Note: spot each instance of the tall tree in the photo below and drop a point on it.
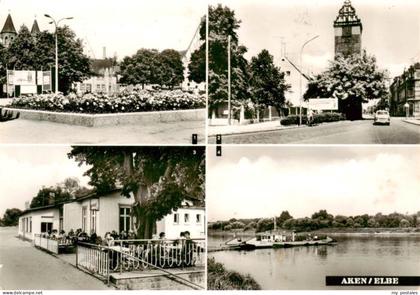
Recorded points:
(222, 23)
(50, 196)
(172, 68)
(142, 68)
(159, 178)
(268, 85)
(21, 53)
(353, 80)
(11, 217)
(29, 52)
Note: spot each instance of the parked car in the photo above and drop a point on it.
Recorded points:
(382, 117)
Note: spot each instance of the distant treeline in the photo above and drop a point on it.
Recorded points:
(319, 220)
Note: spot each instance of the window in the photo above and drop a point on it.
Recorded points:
(46, 227)
(92, 221)
(198, 218)
(84, 218)
(125, 219)
(61, 224)
(186, 218)
(30, 224)
(176, 218)
(26, 224)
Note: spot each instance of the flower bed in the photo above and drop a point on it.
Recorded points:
(124, 102)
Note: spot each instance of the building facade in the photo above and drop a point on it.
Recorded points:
(405, 91)
(107, 213)
(104, 79)
(348, 31)
(8, 33)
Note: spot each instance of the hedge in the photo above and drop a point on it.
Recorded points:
(318, 118)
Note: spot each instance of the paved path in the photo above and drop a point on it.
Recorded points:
(347, 132)
(24, 267)
(33, 132)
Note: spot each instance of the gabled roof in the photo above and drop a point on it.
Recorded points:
(8, 26)
(35, 28)
(347, 16)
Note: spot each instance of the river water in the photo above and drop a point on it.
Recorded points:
(305, 268)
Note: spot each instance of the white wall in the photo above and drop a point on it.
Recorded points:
(173, 230)
(47, 215)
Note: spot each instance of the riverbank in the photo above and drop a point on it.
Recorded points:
(327, 231)
(219, 278)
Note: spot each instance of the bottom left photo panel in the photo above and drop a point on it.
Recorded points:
(102, 218)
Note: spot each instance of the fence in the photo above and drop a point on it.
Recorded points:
(93, 258)
(46, 243)
(158, 253)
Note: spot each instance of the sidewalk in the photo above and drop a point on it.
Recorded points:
(256, 127)
(415, 121)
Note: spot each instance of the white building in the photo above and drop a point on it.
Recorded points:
(101, 214)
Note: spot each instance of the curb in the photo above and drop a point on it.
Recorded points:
(411, 122)
(274, 129)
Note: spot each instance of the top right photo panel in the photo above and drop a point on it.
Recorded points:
(314, 72)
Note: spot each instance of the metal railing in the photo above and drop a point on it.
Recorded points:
(131, 255)
(158, 253)
(45, 243)
(93, 258)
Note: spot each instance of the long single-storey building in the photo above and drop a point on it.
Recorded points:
(107, 213)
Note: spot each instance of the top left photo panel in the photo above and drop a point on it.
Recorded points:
(103, 72)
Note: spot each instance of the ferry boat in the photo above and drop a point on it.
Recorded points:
(312, 242)
(263, 240)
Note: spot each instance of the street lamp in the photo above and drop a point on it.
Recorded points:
(229, 81)
(300, 80)
(56, 46)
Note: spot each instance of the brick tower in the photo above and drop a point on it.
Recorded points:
(8, 33)
(348, 31)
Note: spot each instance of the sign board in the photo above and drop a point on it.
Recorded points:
(321, 104)
(27, 89)
(46, 80)
(94, 204)
(24, 78)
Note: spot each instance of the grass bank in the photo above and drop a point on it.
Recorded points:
(219, 278)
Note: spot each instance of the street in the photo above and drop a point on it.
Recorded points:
(345, 132)
(23, 267)
(34, 132)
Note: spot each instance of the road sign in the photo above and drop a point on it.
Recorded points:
(323, 104)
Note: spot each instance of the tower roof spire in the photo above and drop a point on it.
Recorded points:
(8, 25)
(35, 28)
(347, 16)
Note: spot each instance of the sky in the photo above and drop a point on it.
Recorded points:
(262, 181)
(25, 169)
(391, 31)
(122, 27)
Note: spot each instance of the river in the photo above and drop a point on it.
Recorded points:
(305, 268)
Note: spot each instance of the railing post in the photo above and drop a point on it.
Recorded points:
(120, 258)
(77, 256)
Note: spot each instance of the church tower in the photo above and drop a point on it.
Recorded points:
(348, 31)
(8, 33)
(35, 28)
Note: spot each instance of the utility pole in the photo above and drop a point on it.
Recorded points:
(229, 87)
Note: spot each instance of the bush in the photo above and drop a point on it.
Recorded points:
(123, 102)
(318, 118)
(218, 278)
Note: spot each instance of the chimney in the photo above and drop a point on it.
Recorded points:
(104, 52)
(27, 204)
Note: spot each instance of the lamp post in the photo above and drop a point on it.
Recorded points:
(300, 78)
(56, 23)
(407, 109)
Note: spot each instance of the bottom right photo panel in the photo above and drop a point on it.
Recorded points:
(313, 218)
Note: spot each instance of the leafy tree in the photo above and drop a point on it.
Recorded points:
(172, 68)
(267, 82)
(49, 196)
(28, 52)
(285, 215)
(22, 51)
(264, 224)
(223, 23)
(3, 66)
(160, 178)
(11, 217)
(353, 80)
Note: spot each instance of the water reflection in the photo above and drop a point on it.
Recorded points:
(306, 267)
